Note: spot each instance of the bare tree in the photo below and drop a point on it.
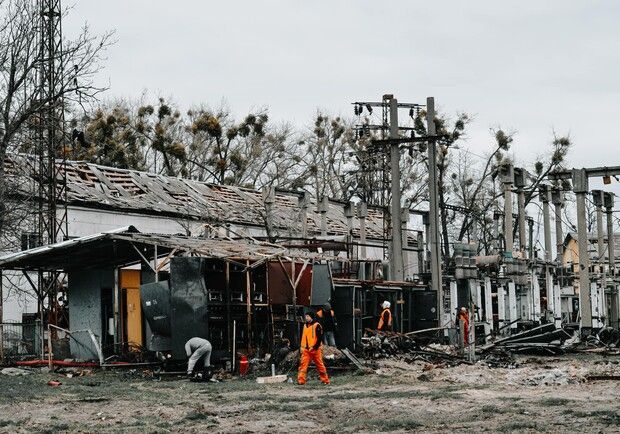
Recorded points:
(20, 61)
(330, 148)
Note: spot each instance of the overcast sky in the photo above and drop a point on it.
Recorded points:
(533, 67)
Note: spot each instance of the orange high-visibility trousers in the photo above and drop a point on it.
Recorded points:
(317, 357)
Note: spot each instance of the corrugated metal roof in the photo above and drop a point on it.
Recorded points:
(95, 186)
(125, 246)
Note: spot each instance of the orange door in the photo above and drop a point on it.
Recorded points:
(130, 281)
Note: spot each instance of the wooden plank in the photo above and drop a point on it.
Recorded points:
(273, 379)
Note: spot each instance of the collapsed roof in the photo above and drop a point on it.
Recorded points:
(93, 186)
(126, 246)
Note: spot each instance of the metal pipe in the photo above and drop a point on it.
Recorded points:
(234, 345)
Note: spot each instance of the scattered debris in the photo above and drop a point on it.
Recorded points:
(54, 383)
(13, 372)
(379, 345)
(358, 364)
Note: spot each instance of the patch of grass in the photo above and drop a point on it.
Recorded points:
(4, 423)
(276, 407)
(607, 417)
(316, 405)
(390, 424)
(518, 426)
(450, 392)
(493, 409)
(553, 401)
(197, 415)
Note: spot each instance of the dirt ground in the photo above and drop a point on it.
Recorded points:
(539, 395)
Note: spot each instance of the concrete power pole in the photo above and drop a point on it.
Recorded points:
(614, 307)
(597, 197)
(436, 280)
(507, 180)
(520, 184)
(557, 197)
(396, 253)
(580, 188)
(544, 198)
(609, 209)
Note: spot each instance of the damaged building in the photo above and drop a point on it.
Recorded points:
(245, 261)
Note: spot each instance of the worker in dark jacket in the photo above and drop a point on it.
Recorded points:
(311, 350)
(385, 319)
(327, 319)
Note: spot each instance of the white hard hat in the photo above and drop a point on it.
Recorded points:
(386, 305)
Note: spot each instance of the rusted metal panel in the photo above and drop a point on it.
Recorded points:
(279, 287)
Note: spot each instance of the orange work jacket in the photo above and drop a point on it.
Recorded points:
(311, 336)
(384, 324)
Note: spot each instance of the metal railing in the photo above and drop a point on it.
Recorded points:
(19, 341)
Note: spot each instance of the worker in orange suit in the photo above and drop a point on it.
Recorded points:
(311, 341)
(385, 319)
(464, 316)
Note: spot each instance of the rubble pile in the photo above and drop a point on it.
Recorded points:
(379, 345)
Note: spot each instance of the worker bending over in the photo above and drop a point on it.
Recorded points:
(385, 319)
(328, 322)
(196, 349)
(311, 350)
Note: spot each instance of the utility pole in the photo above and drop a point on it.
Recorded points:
(615, 293)
(519, 178)
(396, 253)
(51, 172)
(557, 197)
(609, 209)
(544, 198)
(362, 213)
(545, 194)
(435, 248)
(598, 199)
(580, 188)
(507, 180)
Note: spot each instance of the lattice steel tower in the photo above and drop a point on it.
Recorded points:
(51, 173)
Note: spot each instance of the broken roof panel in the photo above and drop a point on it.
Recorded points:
(95, 186)
(127, 246)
